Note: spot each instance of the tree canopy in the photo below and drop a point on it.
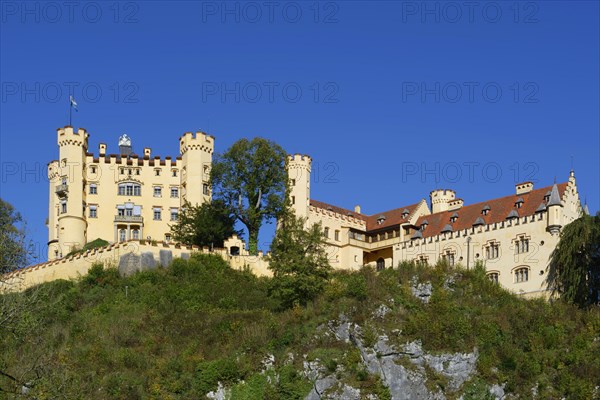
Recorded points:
(575, 264)
(251, 180)
(299, 262)
(208, 224)
(13, 247)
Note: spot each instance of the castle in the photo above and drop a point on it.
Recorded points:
(514, 236)
(127, 198)
(122, 196)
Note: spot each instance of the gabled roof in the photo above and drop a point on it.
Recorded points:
(499, 210)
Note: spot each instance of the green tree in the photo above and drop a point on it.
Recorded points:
(208, 224)
(251, 180)
(575, 263)
(14, 250)
(299, 262)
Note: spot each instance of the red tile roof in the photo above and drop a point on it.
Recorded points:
(336, 209)
(499, 210)
(392, 217)
(467, 215)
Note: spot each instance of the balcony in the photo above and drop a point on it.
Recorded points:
(62, 190)
(138, 219)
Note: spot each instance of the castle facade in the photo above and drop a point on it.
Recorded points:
(124, 196)
(513, 236)
(121, 196)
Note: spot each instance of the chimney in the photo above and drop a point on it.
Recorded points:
(147, 152)
(525, 187)
(357, 209)
(102, 149)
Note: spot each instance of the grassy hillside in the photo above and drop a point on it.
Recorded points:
(177, 332)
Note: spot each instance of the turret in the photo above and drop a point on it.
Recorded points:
(196, 155)
(68, 191)
(440, 199)
(554, 208)
(299, 180)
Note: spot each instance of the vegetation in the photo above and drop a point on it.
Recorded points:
(94, 244)
(298, 261)
(175, 333)
(209, 224)
(575, 264)
(14, 251)
(250, 178)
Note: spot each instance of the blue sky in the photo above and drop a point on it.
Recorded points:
(391, 99)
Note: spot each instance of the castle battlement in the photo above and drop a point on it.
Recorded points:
(196, 141)
(299, 159)
(134, 160)
(338, 216)
(68, 136)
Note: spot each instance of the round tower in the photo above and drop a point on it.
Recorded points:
(440, 199)
(298, 168)
(69, 189)
(196, 156)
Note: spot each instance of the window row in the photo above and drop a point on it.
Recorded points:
(520, 274)
(132, 210)
(336, 234)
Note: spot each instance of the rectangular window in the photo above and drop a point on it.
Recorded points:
(63, 207)
(293, 200)
(129, 190)
(121, 190)
(64, 180)
(205, 189)
(93, 212)
(292, 182)
(157, 191)
(93, 189)
(167, 237)
(121, 211)
(337, 235)
(326, 232)
(135, 234)
(174, 214)
(93, 169)
(157, 214)
(174, 192)
(157, 172)
(174, 172)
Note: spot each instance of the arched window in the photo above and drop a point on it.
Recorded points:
(122, 235)
(135, 234)
(493, 276)
(521, 274)
(380, 264)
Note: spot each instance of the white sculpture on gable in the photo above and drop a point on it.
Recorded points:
(124, 140)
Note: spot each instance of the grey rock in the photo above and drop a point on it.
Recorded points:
(381, 311)
(422, 291)
(129, 264)
(314, 371)
(166, 256)
(220, 394)
(497, 391)
(148, 262)
(345, 392)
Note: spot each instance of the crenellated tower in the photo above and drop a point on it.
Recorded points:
(440, 199)
(67, 225)
(196, 154)
(299, 167)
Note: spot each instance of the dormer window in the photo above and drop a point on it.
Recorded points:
(380, 219)
(519, 202)
(547, 196)
(424, 225)
(405, 213)
(454, 217)
(485, 210)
